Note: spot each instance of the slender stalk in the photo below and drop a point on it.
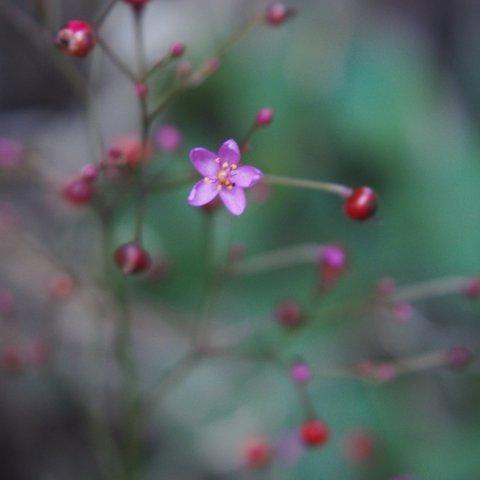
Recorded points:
(335, 188)
(104, 14)
(277, 259)
(429, 289)
(116, 60)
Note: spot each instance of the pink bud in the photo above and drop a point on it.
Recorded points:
(386, 286)
(333, 257)
(459, 357)
(141, 89)
(264, 117)
(89, 172)
(168, 138)
(300, 373)
(211, 65)
(278, 13)
(78, 192)
(177, 49)
(402, 311)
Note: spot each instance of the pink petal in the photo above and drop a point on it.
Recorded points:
(234, 200)
(230, 152)
(202, 193)
(246, 176)
(204, 162)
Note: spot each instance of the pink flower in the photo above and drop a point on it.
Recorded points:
(223, 176)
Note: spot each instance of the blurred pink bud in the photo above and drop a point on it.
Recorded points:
(61, 287)
(289, 314)
(472, 288)
(385, 372)
(402, 311)
(12, 153)
(333, 257)
(177, 49)
(300, 373)
(77, 192)
(168, 138)
(7, 302)
(264, 117)
(459, 357)
(386, 286)
(359, 446)
(11, 359)
(278, 13)
(89, 172)
(211, 65)
(184, 69)
(141, 89)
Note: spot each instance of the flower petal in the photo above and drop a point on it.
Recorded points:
(246, 176)
(202, 193)
(234, 200)
(204, 162)
(230, 152)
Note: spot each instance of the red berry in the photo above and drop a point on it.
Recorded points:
(472, 288)
(177, 49)
(289, 314)
(76, 38)
(257, 452)
(137, 4)
(78, 192)
(314, 433)
(278, 13)
(361, 204)
(132, 258)
(264, 117)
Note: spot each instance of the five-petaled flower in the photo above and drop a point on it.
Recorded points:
(223, 176)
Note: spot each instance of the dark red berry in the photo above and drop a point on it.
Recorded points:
(76, 38)
(78, 192)
(361, 204)
(289, 314)
(314, 433)
(257, 452)
(131, 258)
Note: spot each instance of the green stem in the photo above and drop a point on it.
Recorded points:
(335, 188)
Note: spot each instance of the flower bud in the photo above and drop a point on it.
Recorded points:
(264, 117)
(132, 258)
(78, 192)
(459, 357)
(278, 13)
(76, 38)
(300, 373)
(289, 314)
(177, 49)
(168, 138)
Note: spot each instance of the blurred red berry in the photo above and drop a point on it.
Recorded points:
(314, 433)
(278, 13)
(131, 258)
(76, 38)
(177, 49)
(459, 357)
(361, 204)
(359, 446)
(472, 288)
(78, 192)
(264, 117)
(257, 452)
(289, 314)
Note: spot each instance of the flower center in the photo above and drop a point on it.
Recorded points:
(224, 176)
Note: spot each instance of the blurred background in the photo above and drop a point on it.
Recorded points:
(366, 92)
